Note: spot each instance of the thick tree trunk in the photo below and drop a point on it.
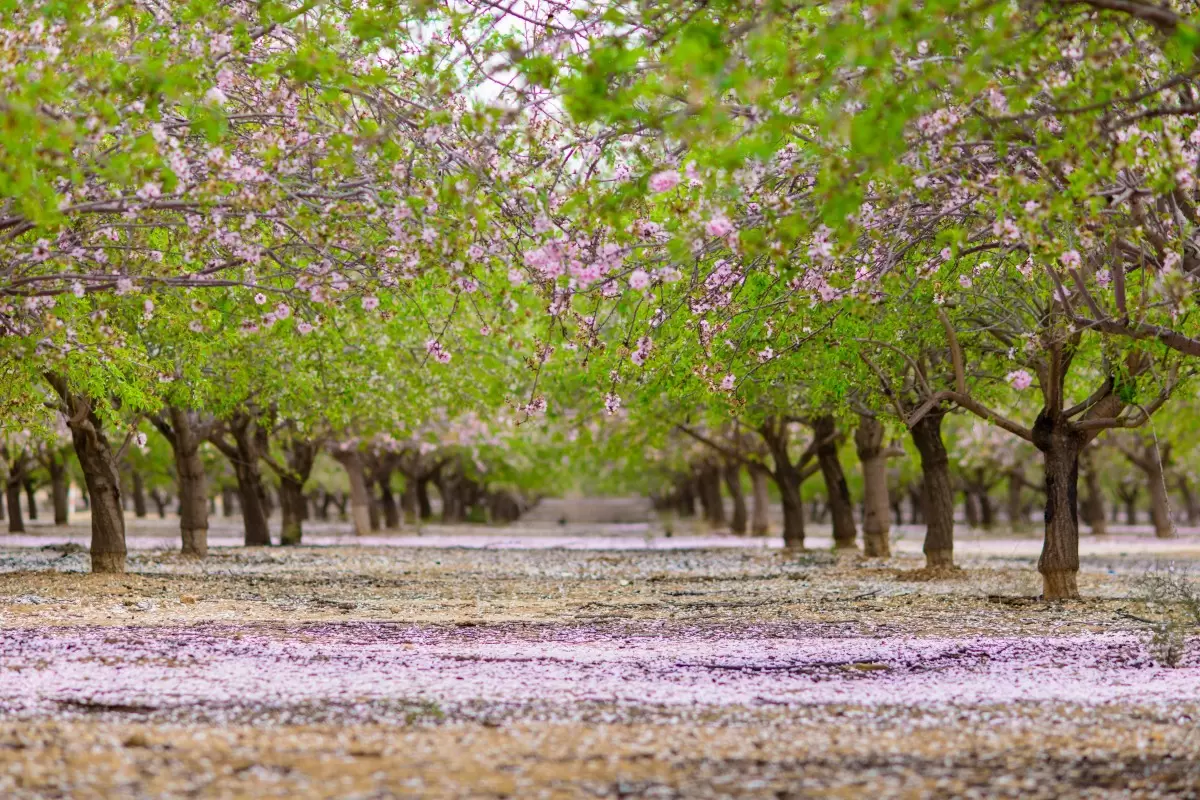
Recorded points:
(60, 492)
(408, 501)
(1190, 502)
(100, 474)
(31, 498)
(1131, 509)
(868, 442)
(360, 496)
(937, 495)
(182, 430)
(228, 501)
(708, 482)
(1160, 504)
(845, 531)
(193, 500)
(1059, 562)
(793, 510)
(139, 495)
(916, 510)
(1092, 509)
(987, 511)
(387, 502)
(1014, 505)
(687, 498)
(423, 504)
(760, 520)
(970, 509)
(292, 507)
(12, 493)
(732, 473)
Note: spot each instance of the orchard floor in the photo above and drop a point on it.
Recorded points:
(586, 661)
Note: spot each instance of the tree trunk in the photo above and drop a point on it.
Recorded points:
(31, 498)
(408, 501)
(423, 504)
(970, 509)
(12, 493)
(1131, 509)
(228, 501)
(60, 491)
(916, 510)
(360, 496)
(292, 508)
(1015, 508)
(841, 509)
(193, 498)
(1190, 502)
(387, 502)
(687, 498)
(139, 495)
(1160, 504)
(1059, 562)
(987, 512)
(788, 483)
(100, 474)
(182, 430)
(732, 474)
(760, 520)
(708, 483)
(937, 492)
(868, 442)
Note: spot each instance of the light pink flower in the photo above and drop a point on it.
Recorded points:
(1020, 379)
(718, 226)
(663, 181)
(639, 279)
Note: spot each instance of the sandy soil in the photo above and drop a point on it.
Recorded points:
(599, 662)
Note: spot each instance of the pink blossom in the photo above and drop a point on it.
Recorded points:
(1020, 379)
(370, 303)
(612, 403)
(964, 281)
(304, 327)
(149, 191)
(728, 382)
(1070, 259)
(663, 181)
(1104, 278)
(718, 226)
(260, 298)
(283, 311)
(639, 279)
(215, 97)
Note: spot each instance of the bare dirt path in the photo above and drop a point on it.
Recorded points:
(685, 670)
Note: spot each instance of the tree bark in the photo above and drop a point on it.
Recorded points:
(31, 498)
(387, 501)
(708, 482)
(937, 492)
(732, 473)
(1190, 501)
(292, 506)
(228, 501)
(184, 431)
(423, 504)
(760, 520)
(408, 501)
(1014, 504)
(987, 511)
(100, 472)
(1059, 562)
(868, 442)
(139, 494)
(845, 532)
(60, 487)
(1160, 504)
(970, 509)
(360, 496)
(12, 493)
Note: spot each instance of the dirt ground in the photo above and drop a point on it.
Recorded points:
(612, 664)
